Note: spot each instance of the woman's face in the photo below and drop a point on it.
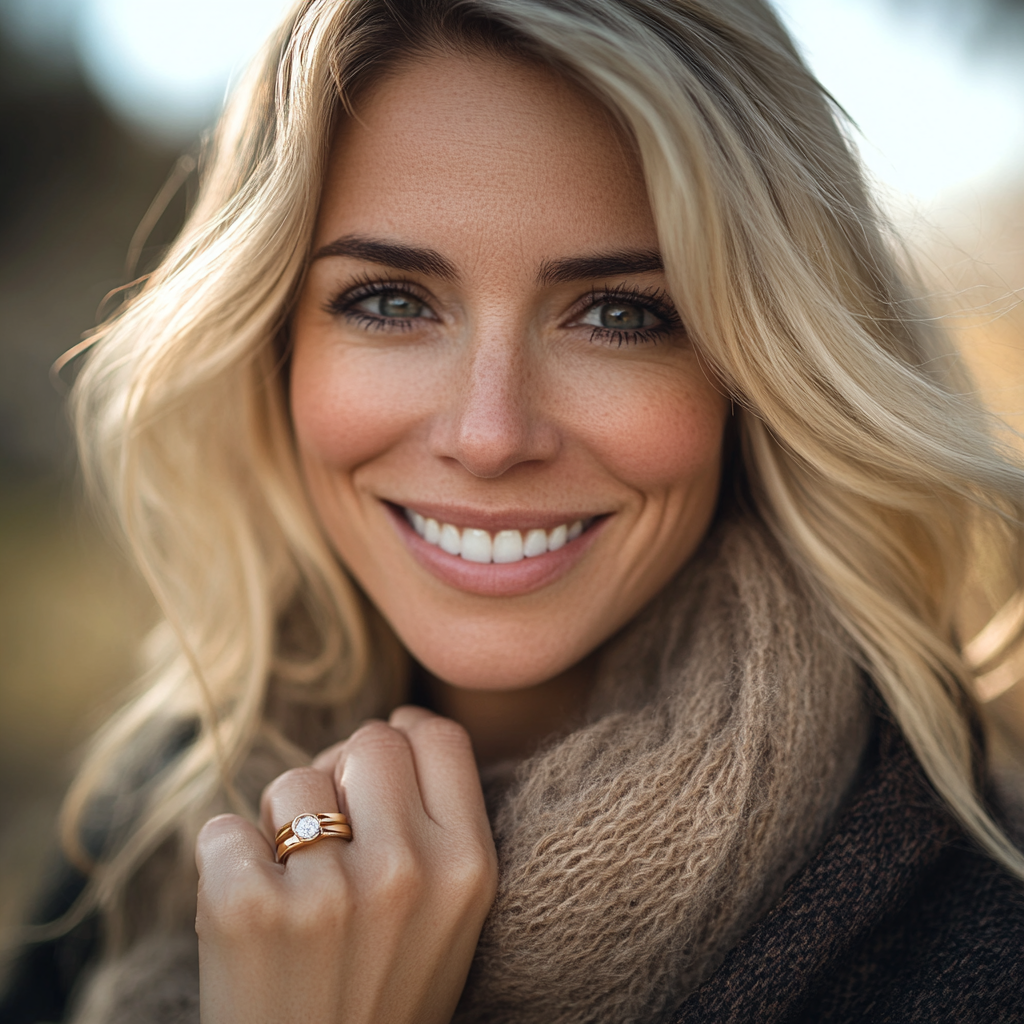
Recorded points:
(485, 361)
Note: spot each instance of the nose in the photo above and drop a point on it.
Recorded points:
(495, 417)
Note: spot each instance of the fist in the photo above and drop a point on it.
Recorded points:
(381, 929)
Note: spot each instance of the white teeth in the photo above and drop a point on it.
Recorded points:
(432, 531)
(451, 540)
(506, 546)
(476, 545)
(536, 544)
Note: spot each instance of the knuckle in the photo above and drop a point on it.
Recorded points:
(295, 778)
(474, 872)
(377, 737)
(223, 845)
(296, 784)
(399, 878)
(444, 732)
(216, 832)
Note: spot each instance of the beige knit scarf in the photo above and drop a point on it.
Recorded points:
(725, 727)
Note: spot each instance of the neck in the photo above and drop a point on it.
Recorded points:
(511, 724)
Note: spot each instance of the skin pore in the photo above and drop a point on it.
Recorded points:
(485, 341)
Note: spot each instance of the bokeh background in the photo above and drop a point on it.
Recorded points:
(103, 101)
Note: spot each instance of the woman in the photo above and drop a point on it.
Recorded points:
(537, 376)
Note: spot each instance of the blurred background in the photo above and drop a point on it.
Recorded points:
(102, 102)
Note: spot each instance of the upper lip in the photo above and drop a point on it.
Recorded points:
(494, 520)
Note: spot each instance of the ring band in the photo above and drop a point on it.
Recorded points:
(324, 820)
(308, 828)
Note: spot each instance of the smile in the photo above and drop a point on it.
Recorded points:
(505, 546)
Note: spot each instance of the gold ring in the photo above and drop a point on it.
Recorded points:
(308, 828)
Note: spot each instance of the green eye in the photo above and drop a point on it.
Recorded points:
(382, 306)
(395, 305)
(622, 316)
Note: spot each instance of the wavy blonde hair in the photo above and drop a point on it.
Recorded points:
(860, 449)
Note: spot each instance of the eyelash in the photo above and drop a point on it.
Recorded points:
(653, 300)
(344, 303)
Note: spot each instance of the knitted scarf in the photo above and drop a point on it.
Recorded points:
(723, 731)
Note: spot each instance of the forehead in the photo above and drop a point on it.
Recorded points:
(465, 146)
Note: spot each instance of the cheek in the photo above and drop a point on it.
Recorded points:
(657, 433)
(344, 410)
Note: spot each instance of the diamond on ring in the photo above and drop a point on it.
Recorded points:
(306, 827)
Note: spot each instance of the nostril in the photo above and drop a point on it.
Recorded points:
(488, 446)
(495, 419)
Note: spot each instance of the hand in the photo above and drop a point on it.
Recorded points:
(381, 929)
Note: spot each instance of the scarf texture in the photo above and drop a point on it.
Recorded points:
(724, 730)
(725, 727)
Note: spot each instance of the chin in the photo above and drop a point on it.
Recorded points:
(477, 666)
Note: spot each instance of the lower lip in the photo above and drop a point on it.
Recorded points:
(508, 579)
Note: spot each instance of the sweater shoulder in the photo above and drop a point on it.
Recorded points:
(954, 951)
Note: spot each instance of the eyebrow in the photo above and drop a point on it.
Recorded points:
(417, 260)
(610, 264)
(409, 258)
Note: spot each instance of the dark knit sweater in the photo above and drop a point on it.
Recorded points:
(896, 918)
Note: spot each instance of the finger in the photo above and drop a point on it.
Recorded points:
(237, 873)
(376, 779)
(299, 791)
(449, 779)
(328, 758)
(228, 844)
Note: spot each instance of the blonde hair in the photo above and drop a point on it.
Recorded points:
(860, 449)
